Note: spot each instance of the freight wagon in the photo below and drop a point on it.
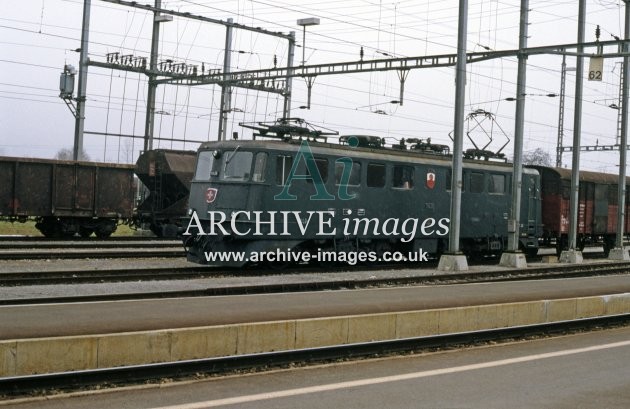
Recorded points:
(66, 197)
(166, 176)
(597, 207)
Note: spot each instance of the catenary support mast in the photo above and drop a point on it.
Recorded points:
(619, 252)
(573, 255)
(79, 124)
(455, 260)
(151, 85)
(514, 258)
(226, 90)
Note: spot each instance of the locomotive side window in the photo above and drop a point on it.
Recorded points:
(205, 161)
(260, 164)
(237, 165)
(322, 167)
(496, 184)
(355, 173)
(402, 177)
(283, 168)
(375, 175)
(449, 179)
(476, 182)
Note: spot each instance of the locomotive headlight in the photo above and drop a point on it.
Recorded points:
(190, 212)
(216, 154)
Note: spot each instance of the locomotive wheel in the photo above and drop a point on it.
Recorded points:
(380, 247)
(531, 252)
(528, 251)
(277, 265)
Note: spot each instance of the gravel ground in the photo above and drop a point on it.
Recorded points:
(231, 279)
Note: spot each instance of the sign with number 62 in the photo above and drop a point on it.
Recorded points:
(595, 68)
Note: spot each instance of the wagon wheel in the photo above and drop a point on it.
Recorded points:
(102, 234)
(562, 243)
(85, 232)
(609, 243)
(581, 243)
(50, 229)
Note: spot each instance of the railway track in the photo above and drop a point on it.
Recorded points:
(86, 244)
(283, 286)
(37, 248)
(90, 252)
(194, 369)
(18, 237)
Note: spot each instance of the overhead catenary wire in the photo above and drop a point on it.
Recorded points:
(477, 80)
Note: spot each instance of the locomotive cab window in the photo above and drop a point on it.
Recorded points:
(402, 177)
(260, 165)
(237, 165)
(375, 175)
(341, 172)
(283, 168)
(322, 167)
(496, 184)
(205, 164)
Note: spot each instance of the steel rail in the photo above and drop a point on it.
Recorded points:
(86, 244)
(109, 253)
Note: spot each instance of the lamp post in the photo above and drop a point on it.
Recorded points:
(311, 21)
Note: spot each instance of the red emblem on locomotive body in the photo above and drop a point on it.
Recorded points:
(430, 179)
(211, 195)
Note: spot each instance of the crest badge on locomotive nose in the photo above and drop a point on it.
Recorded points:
(430, 180)
(211, 195)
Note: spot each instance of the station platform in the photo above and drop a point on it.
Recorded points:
(65, 337)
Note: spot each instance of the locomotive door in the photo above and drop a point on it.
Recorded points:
(532, 207)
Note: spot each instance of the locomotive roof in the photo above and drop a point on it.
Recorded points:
(362, 152)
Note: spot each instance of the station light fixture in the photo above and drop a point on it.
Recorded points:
(304, 22)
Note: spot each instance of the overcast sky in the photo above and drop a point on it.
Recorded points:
(37, 37)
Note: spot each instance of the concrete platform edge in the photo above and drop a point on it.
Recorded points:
(58, 354)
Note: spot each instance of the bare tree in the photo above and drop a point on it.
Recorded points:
(538, 157)
(67, 154)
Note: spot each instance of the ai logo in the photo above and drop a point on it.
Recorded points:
(211, 194)
(431, 179)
